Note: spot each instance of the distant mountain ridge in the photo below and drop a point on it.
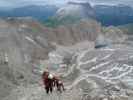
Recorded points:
(114, 15)
(73, 11)
(38, 12)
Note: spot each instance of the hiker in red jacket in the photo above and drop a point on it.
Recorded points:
(48, 81)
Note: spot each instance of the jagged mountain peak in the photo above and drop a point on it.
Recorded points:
(76, 9)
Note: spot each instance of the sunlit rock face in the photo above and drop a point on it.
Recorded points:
(105, 73)
(110, 35)
(114, 34)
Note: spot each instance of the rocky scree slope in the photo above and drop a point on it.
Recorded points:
(26, 43)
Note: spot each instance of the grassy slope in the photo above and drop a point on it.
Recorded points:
(54, 22)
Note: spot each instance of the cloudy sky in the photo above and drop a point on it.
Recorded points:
(16, 3)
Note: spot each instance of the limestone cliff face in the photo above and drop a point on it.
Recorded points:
(74, 33)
